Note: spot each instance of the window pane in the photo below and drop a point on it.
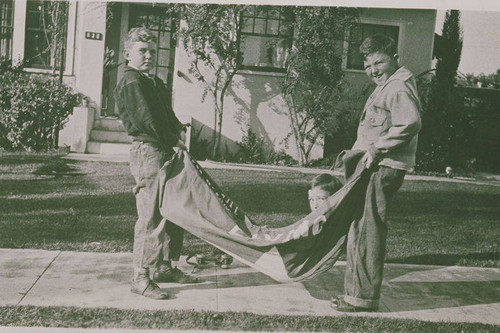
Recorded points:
(36, 50)
(41, 51)
(260, 43)
(166, 24)
(249, 11)
(272, 27)
(260, 12)
(273, 13)
(164, 40)
(162, 73)
(264, 51)
(163, 58)
(260, 26)
(6, 28)
(154, 22)
(247, 25)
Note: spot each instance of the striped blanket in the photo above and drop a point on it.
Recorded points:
(192, 200)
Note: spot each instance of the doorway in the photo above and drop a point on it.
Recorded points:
(121, 17)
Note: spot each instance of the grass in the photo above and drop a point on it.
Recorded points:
(49, 203)
(208, 320)
(429, 222)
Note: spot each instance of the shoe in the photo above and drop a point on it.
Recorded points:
(148, 288)
(167, 273)
(339, 304)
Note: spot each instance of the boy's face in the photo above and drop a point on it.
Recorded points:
(317, 196)
(141, 56)
(380, 66)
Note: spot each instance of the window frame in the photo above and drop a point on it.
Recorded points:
(261, 70)
(6, 28)
(68, 42)
(345, 52)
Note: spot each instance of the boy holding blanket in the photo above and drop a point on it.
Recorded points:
(387, 132)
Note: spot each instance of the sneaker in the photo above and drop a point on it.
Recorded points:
(148, 288)
(339, 304)
(167, 273)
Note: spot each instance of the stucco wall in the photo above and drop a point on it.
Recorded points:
(89, 54)
(253, 100)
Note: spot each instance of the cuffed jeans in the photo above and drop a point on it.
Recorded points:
(155, 239)
(366, 241)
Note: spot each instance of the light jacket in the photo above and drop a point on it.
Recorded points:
(390, 122)
(145, 109)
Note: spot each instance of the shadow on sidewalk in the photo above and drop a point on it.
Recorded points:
(405, 288)
(411, 288)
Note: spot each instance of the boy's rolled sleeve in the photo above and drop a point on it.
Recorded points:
(406, 123)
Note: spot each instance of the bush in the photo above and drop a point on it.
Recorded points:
(199, 148)
(33, 108)
(448, 133)
(253, 150)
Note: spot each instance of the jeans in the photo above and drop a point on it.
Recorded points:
(366, 241)
(155, 238)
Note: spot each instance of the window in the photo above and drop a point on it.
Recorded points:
(265, 40)
(155, 19)
(359, 33)
(46, 28)
(6, 29)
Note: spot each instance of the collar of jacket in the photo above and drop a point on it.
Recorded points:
(402, 74)
(132, 69)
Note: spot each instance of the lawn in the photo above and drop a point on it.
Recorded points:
(94, 210)
(226, 321)
(430, 222)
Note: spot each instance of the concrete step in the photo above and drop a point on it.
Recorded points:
(109, 124)
(110, 136)
(111, 148)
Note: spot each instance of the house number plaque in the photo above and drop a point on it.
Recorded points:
(93, 35)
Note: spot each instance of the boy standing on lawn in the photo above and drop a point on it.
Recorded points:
(388, 133)
(146, 112)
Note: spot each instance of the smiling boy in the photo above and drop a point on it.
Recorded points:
(145, 109)
(387, 132)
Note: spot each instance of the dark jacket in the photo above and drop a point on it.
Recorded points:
(145, 109)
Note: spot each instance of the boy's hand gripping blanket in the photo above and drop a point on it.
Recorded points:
(190, 199)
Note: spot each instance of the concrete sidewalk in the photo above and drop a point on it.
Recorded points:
(431, 293)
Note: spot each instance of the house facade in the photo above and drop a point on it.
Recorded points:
(93, 63)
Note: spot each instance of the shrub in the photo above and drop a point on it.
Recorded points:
(199, 148)
(253, 150)
(33, 108)
(448, 133)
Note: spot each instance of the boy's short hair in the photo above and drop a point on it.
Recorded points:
(327, 182)
(140, 34)
(378, 43)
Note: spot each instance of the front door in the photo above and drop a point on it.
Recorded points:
(121, 18)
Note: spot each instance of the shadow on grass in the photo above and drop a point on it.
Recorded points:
(70, 219)
(446, 259)
(28, 158)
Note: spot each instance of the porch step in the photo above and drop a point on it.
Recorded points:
(109, 124)
(110, 136)
(111, 148)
